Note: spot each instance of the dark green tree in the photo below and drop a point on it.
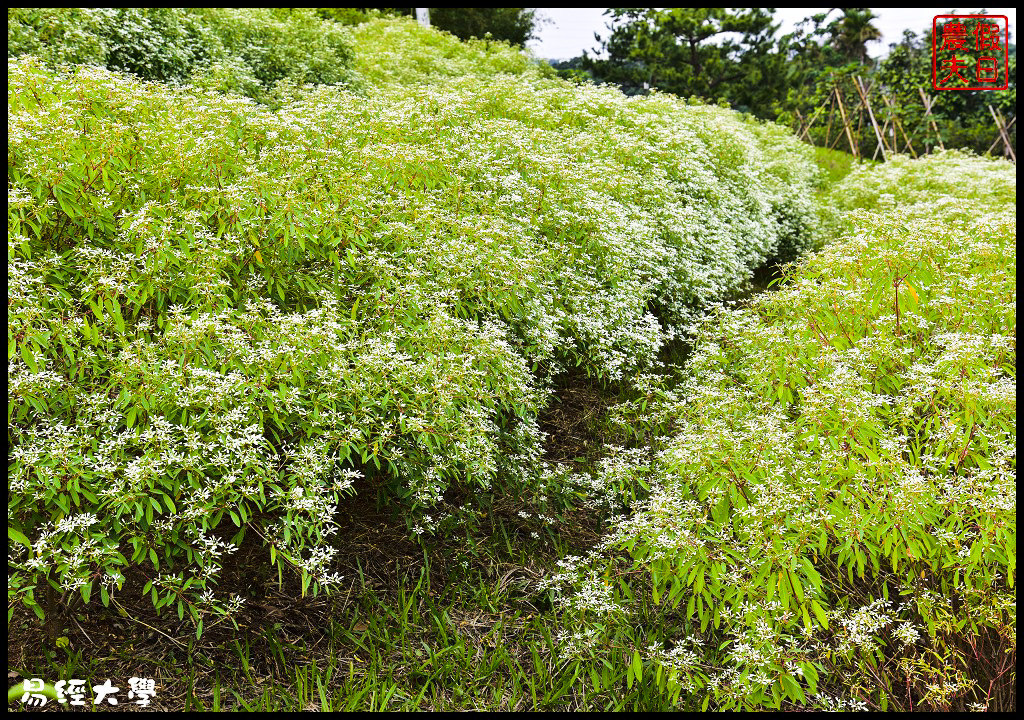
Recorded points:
(713, 53)
(515, 25)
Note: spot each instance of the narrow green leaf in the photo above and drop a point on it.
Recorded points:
(18, 537)
(819, 614)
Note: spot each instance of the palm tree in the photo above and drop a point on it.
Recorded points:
(853, 31)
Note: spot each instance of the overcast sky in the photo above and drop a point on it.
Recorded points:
(571, 30)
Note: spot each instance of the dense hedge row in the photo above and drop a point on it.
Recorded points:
(221, 314)
(247, 51)
(832, 512)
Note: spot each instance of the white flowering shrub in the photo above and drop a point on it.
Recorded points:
(831, 520)
(220, 315)
(700, 196)
(246, 51)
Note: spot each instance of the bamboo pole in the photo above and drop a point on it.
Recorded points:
(860, 126)
(810, 123)
(908, 145)
(897, 124)
(889, 135)
(831, 116)
(860, 120)
(846, 124)
(874, 123)
(1000, 138)
(931, 119)
(1000, 123)
(803, 130)
(888, 128)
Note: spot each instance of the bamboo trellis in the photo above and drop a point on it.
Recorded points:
(888, 132)
(891, 129)
(1004, 133)
(894, 121)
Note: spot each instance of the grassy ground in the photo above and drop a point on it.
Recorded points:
(836, 163)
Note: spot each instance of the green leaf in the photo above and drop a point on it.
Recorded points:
(810, 675)
(792, 688)
(36, 609)
(819, 614)
(18, 537)
(797, 587)
(29, 358)
(784, 592)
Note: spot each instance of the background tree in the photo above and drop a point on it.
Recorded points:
(853, 31)
(515, 25)
(963, 117)
(733, 55)
(713, 53)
